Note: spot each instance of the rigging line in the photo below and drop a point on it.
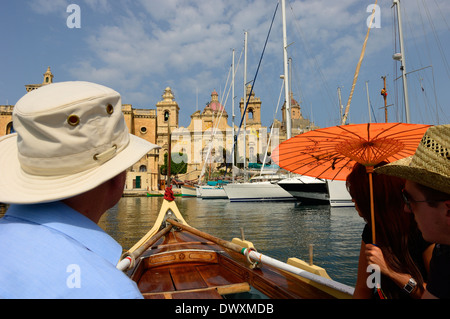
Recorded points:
(253, 83)
(216, 125)
(438, 42)
(373, 112)
(442, 16)
(256, 74)
(412, 39)
(427, 102)
(217, 119)
(424, 33)
(223, 105)
(271, 129)
(438, 104)
(358, 66)
(298, 85)
(313, 57)
(431, 60)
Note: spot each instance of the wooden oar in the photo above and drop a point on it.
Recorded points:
(128, 261)
(267, 260)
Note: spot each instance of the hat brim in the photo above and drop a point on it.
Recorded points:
(18, 187)
(403, 169)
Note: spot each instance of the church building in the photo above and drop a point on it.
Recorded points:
(207, 139)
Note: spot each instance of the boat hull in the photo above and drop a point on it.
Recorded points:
(211, 192)
(339, 195)
(309, 191)
(188, 191)
(256, 191)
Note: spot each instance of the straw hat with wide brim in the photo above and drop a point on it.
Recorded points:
(430, 165)
(70, 137)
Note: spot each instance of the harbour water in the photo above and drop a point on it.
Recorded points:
(277, 229)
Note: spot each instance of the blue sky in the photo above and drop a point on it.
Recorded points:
(140, 47)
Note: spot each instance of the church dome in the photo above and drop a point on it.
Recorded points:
(215, 105)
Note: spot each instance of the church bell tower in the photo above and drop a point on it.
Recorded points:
(167, 112)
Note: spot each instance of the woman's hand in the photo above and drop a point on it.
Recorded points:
(374, 255)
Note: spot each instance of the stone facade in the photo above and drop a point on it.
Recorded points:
(143, 175)
(6, 119)
(209, 124)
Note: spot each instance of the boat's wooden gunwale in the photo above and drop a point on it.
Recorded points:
(171, 255)
(186, 263)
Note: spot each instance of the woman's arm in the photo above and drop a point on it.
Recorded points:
(361, 289)
(374, 255)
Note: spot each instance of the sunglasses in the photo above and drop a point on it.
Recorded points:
(408, 199)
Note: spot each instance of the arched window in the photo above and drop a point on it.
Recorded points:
(251, 153)
(142, 168)
(10, 128)
(250, 114)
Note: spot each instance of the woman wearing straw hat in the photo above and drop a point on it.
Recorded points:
(60, 172)
(427, 196)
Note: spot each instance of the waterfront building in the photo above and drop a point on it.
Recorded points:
(144, 175)
(209, 124)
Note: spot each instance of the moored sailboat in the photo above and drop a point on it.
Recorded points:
(212, 190)
(256, 191)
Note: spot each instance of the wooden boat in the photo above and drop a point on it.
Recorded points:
(176, 261)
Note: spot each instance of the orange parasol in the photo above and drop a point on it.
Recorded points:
(331, 153)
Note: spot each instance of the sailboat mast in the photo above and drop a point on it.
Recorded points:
(384, 94)
(368, 101)
(245, 101)
(340, 103)
(286, 76)
(403, 60)
(232, 115)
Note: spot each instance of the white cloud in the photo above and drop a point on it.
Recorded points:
(192, 38)
(99, 5)
(141, 47)
(49, 6)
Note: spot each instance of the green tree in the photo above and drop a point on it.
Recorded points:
(175, 168)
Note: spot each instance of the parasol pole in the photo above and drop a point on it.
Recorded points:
(369, 170)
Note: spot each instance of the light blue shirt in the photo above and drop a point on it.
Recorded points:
(52, 251)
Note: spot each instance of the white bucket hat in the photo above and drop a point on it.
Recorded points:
(71, 137)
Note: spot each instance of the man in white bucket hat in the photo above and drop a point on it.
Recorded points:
(60, 172)
(427, 196)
